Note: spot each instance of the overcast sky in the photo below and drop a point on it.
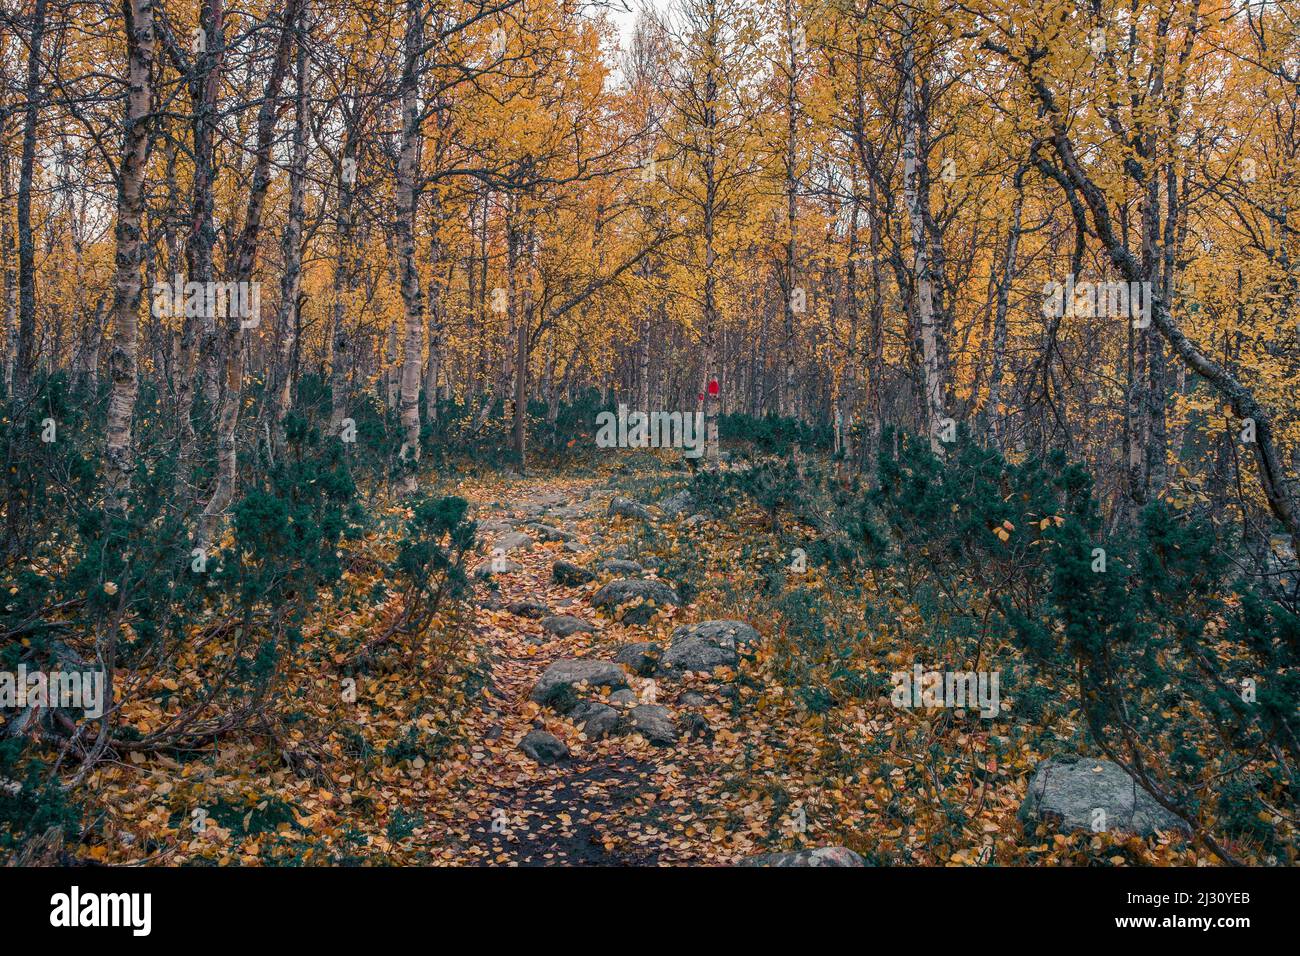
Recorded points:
(624, 18)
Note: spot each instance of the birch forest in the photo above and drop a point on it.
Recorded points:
(696, 432)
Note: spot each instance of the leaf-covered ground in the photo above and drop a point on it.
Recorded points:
(419, 763)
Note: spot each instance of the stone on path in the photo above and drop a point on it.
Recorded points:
(822, 856)
(1083, 793)
(562, 625)
(544, 748)
(557, 686)
(655, 723)
(643, 657)
(598, 720)
(627, 508)
(514, 541)
(551, 499)
(570, 574)
(505, 566)
(566, 513)
(546, 532)
(696, 725)
(529, 609)
(647, 596)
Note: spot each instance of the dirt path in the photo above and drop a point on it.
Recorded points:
(603, 804)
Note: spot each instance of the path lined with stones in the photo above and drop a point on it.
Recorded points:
(604, 698)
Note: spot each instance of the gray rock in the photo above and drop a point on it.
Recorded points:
(597, 720)
(562, 625)
(514, 541)
(738, 632)
(694, 521)
(699, 654)
(572, 547)
(570, 574)
(529, 609)
(627, 508)
(709, 644)
(1082, 793)
(545, 532)
(552, 499)
(620, 568)
(544, 748)
(643, 657)
(494, 526)
(623, 698)
(822, 856)
(507, 566)
(647, 596)
(696, 726)
(565, 513)
(677, 504)
(692, 699)
(557, 686)
(654, 723)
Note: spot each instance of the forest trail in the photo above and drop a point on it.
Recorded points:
(607, 799)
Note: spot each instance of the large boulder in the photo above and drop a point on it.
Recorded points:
(627, 508)
(653, 722)
(544, 748)
(709, 644)
(822, 856)
(1081, 793)
(638, 600)
(558, 685)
